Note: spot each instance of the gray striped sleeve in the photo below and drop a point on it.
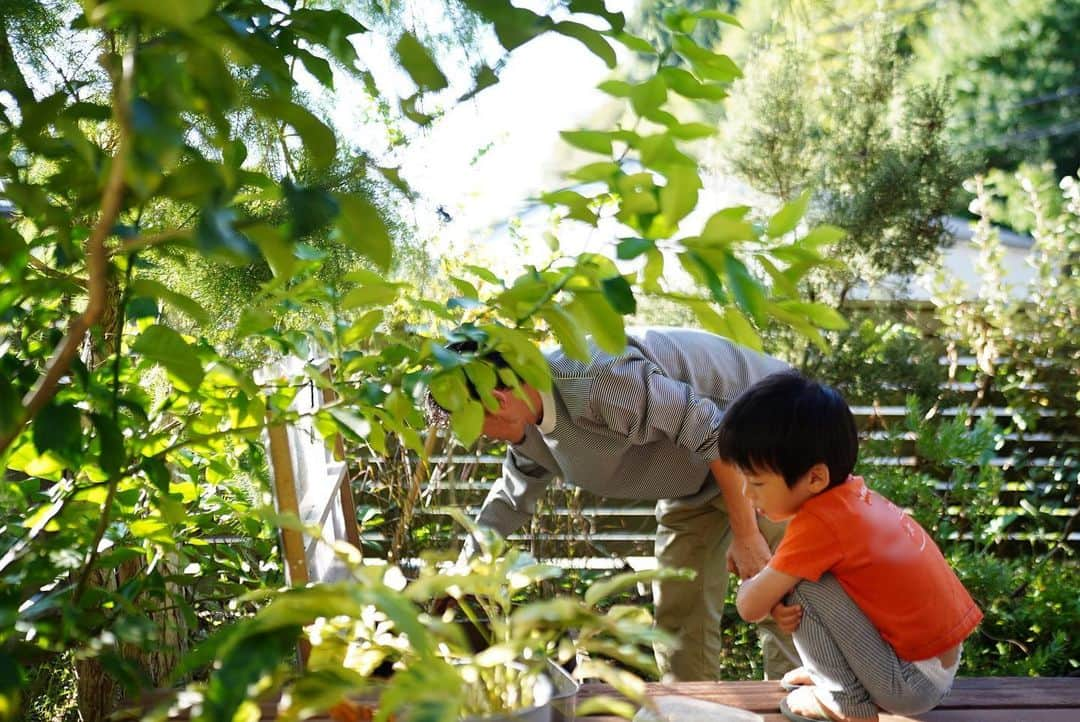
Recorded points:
(635, 398)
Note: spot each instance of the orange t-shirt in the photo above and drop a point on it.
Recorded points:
(886, 562)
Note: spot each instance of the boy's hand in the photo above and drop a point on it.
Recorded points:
(787, 618)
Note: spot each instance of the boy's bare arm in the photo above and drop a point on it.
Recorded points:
(759, 594)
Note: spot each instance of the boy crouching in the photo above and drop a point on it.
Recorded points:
(879, 616)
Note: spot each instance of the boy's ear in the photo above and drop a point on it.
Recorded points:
(819, 478)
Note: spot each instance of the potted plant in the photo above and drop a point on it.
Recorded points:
(377, 652)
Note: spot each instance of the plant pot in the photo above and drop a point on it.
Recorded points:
(560, 706)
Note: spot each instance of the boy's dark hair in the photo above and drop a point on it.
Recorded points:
(786, 423)
(436, 414)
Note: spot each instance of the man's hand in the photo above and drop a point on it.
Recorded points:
(787, 618)
(748, 554)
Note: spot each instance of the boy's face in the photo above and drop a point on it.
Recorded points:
(774, 499)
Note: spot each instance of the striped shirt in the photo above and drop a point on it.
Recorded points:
(640, 425)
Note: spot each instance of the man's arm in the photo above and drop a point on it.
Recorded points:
(758, 595)
(749, 552)
(513, 496)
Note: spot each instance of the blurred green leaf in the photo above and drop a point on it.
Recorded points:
(185, 304)
(318, 138)
(468, 421)
(597, 316)
(785, 219)
(591, 39)
(591, 140)
(362, 228)
(166, 347)
(619, 294)
(58, 428)
(418, 63)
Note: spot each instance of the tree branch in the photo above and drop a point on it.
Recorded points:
(97, 263)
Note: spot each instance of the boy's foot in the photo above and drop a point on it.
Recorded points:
(802, 705)
(796, 678)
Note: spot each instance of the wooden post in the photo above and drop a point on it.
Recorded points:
(292, 542)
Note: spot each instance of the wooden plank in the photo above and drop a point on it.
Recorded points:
(281, 467)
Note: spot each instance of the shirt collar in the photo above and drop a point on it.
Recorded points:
(547, 424)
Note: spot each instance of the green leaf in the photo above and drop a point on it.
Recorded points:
(588, 37)
(692, 131)
(247, 662)
(709, 319)
(363, 328)
(742, 331)
(709, 65)
(723, 229)
(577, 205)
(629, 248)
(166, 347)
(698, 265)
(686, 85)
(604, 588)
(362, 228)
(58, 428)
(785, 219)
(619, 294)
(746, 289)
(468, 422)
(329, 28)
(647, 97)
(820, 315)
(372, 295)
(449, 389)
(591, 140)
(216, 235)
(484, 379)
(111, 457)
(318, 138)
(275, 249)
(718, 15)
(596, 315)
(617, 88)
(310, 209)
(602, 170)
(822, 235)
(318, 67)
(419, 63)
(633, 42)
(409, 109)
(483, 78)
(153, 289)
(680, 195)
(174, 14)
(567, 332)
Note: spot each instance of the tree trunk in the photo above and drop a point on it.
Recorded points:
(98, 693)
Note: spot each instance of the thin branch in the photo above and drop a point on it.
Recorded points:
(44, 269)
(97, 265)
(140, 243)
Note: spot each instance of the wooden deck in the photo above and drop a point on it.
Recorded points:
(973, 699)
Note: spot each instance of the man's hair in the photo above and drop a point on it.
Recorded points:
(436, 414)
(786, 424)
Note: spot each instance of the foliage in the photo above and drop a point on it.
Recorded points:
(1024, 344)
(965, 502)
(1014, 82)
(371, 637)
(130, 427)
(875, 152)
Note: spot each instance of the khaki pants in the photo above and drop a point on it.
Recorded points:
(692, 611)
